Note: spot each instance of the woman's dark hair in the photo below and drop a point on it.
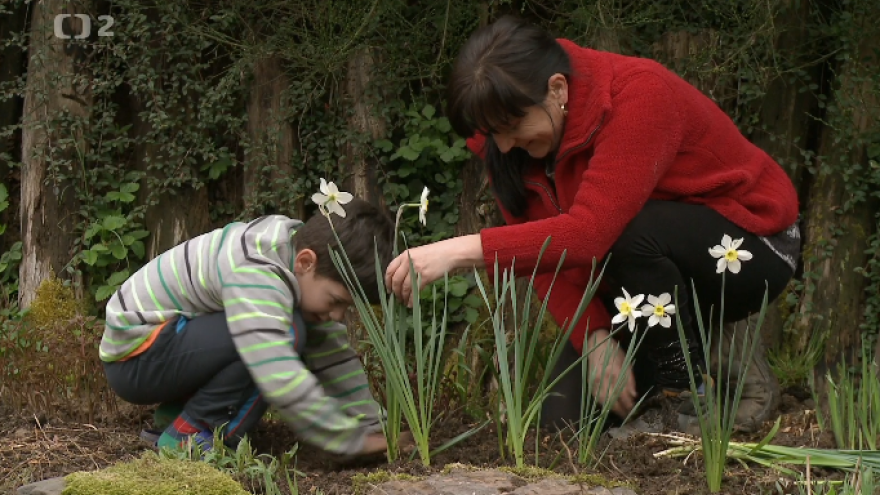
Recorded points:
(501, 71)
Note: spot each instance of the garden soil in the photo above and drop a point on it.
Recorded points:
(31, 450)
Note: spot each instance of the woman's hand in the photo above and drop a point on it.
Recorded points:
(606, 366)
(432, 262)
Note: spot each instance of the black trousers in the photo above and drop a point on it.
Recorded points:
(197, 366)
(666, 246)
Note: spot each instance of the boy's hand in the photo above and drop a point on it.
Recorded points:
(375, 443)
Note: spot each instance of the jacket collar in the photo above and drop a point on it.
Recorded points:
(589, 95)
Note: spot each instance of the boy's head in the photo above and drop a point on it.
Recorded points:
(363, 231)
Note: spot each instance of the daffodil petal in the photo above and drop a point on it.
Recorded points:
(319, 198)
(726, 241)
(744, 255)
(717, 251)
(344, 197)
(335, 207)
(721, 265)
(618, 302)
(734, 266)
(422, 217)
(652, 299)
(625, 294)
(632, 324)
(332, 189)
(653, 320)
(670, 309)
(736, 243)
(664, 299)
(647, 308)
(637, 300)
(619, 317)
(323, 187)
(666, 322)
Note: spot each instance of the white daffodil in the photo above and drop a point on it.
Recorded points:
(729, 257)
(423, 207)
(629, 309)
(331, 199)
(659, 308)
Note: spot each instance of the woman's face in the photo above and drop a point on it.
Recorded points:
(539, 131)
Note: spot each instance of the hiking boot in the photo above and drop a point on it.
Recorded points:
(760, 393)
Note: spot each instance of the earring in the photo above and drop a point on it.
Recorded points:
(564, 110)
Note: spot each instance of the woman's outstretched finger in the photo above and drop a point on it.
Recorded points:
(390, 272)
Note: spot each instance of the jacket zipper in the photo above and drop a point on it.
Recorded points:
(589, 138)
(549, 194)
(558, 159)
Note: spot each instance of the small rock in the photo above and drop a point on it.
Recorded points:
(51, 486)
(488, 482)
(549, 487)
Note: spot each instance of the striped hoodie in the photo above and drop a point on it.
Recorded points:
(246, 270)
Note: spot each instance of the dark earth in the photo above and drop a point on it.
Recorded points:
(31, 450)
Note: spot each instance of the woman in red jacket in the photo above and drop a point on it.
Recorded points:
(612, 154)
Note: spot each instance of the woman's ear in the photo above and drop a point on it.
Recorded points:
(557, 87)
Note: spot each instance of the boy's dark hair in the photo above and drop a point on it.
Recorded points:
(502, 70)
(364, 230)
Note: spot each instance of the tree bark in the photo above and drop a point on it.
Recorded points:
(56, 85)
(268, 159)
(166, 218)
(787, 126)
(362, 171)
(836, 237)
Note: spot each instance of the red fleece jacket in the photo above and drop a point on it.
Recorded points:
(634, 131)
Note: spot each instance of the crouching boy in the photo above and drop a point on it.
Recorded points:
(244, 317)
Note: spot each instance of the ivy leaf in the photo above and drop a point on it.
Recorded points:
(473, 301)
(113, 222)
(459, 288)
(428, 111)
(118, 278)
(471, 315)
(130, 187)
(90, 257)
(139, 234)
(384, 145)
(4, 196)
(408, 153)
(118, 251)
(105, 291)
(137, 247)
(124, 197)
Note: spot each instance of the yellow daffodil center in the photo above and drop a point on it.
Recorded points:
(625, 308)
(659, 310)
(425, 205)
(332, 197)
(731, 255)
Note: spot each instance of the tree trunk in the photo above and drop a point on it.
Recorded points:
(836, 236)
(56, 85)
(363, 179)
(268, 158)
(786, 130)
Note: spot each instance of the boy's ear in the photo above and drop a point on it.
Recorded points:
(304, 261)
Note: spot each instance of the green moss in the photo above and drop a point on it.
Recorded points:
(53, 303)
(530, 473)
(361, 483)
(598, 480)
(534, 473)
(150, 475)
